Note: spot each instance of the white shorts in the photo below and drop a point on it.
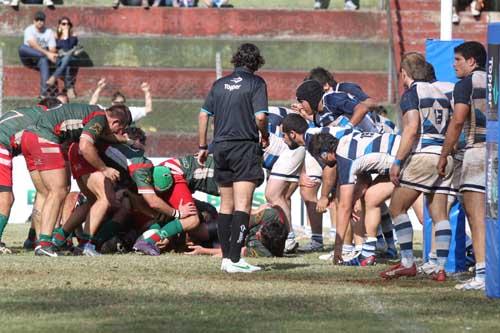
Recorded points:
(420, 173)
(458, 158)
(312, 167)
(474, 170)
(288, 165)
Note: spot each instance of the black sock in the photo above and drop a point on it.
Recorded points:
(239, 230)
(224, 232)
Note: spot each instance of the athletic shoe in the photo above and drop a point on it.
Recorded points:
(144, 247)
(240, 267)
(326, 257)
(471, 284)
(349, 5)
(473, 9)
(351, 258)
(90, 251)
(47, 251)
(224, 263)
(439, 276)
(317, 4)
(312, 246)
(4, 249)
(368, 261)
(29, 245)
(48, 3)
(111, 245)
(399, 270)
(291, 245)
(427, 268)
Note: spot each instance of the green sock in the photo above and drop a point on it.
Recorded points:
(155, 226)
(3, 222)
(108, 230)
(59, 236)
(171, 229)
(45, 240)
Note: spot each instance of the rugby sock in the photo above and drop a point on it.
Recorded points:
(358, 247)
(3, 222)
(32, 234)
(108, 230)
(442, 236)
(369, 247)
(239, 230)
(347, 248)
(291, 235)
(480, 271)
(433, 258)
(388, 230)
(404, 231)
(318, 238)
(224, 232)
(59, 236)
(170, 229)
(45, 240)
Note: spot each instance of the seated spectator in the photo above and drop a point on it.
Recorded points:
(217, 3)
(15, 3)
(68, 48)
(39, 49)
(476, 6)
(321, 4)
(351, 5)
(144, 3)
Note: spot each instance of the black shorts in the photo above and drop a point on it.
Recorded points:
(238, 161)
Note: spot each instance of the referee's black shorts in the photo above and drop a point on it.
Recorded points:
(238, 161)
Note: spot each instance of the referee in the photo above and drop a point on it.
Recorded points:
(239, 104)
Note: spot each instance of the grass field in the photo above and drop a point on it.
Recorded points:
(172, 293)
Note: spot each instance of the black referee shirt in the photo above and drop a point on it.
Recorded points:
(234, 100)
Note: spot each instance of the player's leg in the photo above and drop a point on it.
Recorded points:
(6, 195)
(374, 198)
(276, 194)
(401, 200)
(438, 209)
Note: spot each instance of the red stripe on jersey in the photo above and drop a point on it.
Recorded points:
(174, 166)
(134, 167)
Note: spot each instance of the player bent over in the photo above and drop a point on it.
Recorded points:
(426, 113)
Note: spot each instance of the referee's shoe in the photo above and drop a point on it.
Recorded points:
(238, 267)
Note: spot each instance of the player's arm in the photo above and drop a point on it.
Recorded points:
(148, 100)
(360, 111)
(411, 125)
(328, 177)
(261, 121)
(97, 92)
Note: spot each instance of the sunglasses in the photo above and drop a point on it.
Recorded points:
(39, 20)
(64, 23)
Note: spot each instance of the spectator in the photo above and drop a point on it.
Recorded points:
(145, 3)
(476, 7)
(67, 47)
(15, 3)
(39, 49)
(351, 5)
(321, 4)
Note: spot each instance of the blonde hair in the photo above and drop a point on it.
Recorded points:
(414, 65)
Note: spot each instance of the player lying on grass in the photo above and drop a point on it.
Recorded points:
(357, 157)
(12, 125)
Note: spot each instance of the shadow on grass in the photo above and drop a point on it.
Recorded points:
(282, 266)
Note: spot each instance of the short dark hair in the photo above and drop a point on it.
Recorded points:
(294, 122)
(322, 76)
(248, 55)
(323, 143)
(474, 50)
(50, 102)
(274, 233)
(430, 74)
(118, 94)
(120, 112)
(136, 134)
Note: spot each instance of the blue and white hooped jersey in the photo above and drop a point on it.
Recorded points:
(383, 124)
(272, 152)
(446, 88)
(471, 90)
(275, 116)
(336, 131)
(365, 153)
(435, 112)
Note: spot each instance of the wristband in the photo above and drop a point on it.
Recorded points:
(203, 147)
(397, 162)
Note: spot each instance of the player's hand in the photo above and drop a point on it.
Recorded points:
(307, 181)
(394, 174)
(101, 84)
(202, 156)
(145, 87)
(264, 142)
(441, 167)
(322, 204)
(52, 56)
(112, 174)
(195, 250)
(187, 210)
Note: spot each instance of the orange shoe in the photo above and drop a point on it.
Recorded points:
(439, 276)
(399, 270)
